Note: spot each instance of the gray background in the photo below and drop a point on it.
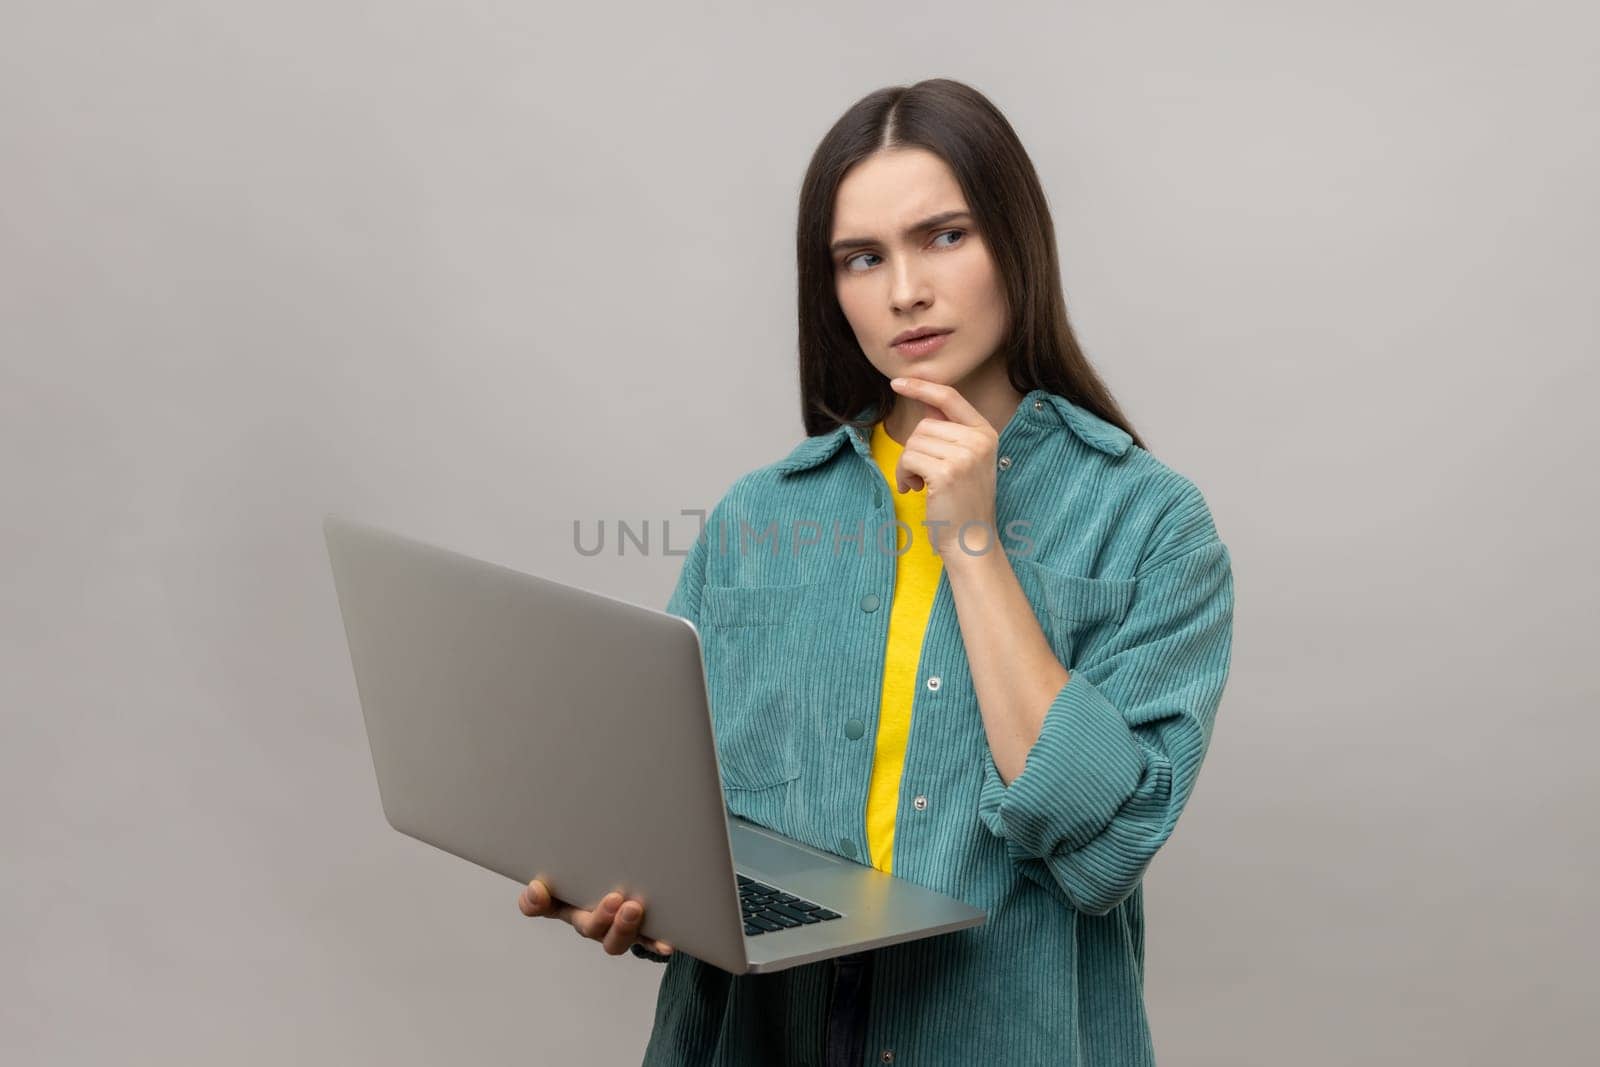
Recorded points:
(477, 270)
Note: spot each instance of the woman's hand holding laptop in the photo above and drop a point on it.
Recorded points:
(613, 922)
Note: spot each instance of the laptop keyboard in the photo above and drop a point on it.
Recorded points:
(767, 909)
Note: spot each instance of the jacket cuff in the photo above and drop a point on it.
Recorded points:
(646, 954)
(1084, 766)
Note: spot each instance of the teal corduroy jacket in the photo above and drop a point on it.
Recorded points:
(789, 586)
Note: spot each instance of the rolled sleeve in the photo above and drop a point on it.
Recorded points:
(1122, 741)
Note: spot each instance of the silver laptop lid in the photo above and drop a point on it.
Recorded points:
(537, 729)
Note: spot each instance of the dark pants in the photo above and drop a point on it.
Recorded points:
(847, 1010)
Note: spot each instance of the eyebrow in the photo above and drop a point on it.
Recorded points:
(928, 223)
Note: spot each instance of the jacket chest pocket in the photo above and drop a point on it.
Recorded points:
(754, 643)
(1078, 614)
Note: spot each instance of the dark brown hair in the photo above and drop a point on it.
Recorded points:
(957, 123)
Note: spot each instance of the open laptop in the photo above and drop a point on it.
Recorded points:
(541, 730)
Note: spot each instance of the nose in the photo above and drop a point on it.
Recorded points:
(909, 287)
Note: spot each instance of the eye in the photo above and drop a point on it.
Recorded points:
(860, 255)
(852, 259)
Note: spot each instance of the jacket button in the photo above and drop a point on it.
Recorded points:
(1005, 462)
(933, 684)
(887, 1056)
(1038, 405)
(847, 847)
(877, 498)
(854, 729)
(921, 803)
(869, 602)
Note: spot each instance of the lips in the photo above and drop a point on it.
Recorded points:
(919, 332)
(922, 347)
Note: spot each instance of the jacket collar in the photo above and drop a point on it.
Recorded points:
(1039, 407)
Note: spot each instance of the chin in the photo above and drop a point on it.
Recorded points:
(933, 368)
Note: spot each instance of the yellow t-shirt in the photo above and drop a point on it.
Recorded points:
(916, 581)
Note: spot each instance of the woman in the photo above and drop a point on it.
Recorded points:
(979, 641)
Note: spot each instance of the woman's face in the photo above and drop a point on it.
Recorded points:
(919, 261)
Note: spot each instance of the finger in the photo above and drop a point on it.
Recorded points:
(599, 920)
(924, 467)
(952, 432)
(664, 948)
(625, 930)
(947, 399)
(535, 899)
(936, 447)
(904, 480)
